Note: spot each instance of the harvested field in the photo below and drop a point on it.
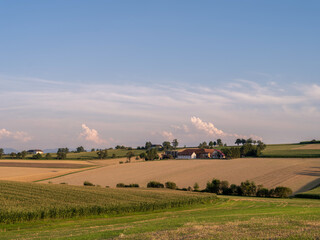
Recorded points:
(309, 147)
(33, 170)
(296, 173)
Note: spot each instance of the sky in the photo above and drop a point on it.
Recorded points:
(107, 73)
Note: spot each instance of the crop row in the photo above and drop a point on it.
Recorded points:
(30, 201)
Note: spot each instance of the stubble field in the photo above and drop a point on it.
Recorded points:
(297, 173)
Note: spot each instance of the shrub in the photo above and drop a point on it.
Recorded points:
(248, 188)
(87, 183)
(134, 185)
(196, 187)
(120, 185)
(155, 184)
(282, 192)
(171, 185)
(214, 186)
(263, 192)
(121, 162)
(224, 187)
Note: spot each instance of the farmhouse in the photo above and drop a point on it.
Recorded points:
(193, 153)
(35, 151)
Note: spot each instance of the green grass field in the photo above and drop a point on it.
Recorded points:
(314, 193)
(228, 218)
(288, 150)
(31, 201)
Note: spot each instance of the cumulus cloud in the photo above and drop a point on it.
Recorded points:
(167, 135)
(210, 129)
(19, 136)
(91, 135)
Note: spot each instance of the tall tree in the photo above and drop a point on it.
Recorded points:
(129, 155)
(219, 142)
(175, 143)
(148, 145)
(238, 141)
(80, 149)
(1, 152)
(211, 144)
(166, 145)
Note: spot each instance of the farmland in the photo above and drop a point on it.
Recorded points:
(227, 218)
(292, 150)
(296, 173)
(30, 201)
(314, 193)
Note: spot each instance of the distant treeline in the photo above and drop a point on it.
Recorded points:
(310, 142)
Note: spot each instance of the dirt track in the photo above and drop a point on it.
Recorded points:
(299, 174)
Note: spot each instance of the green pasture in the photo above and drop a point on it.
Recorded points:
(314, 193)
(288, 150)
(228, 218)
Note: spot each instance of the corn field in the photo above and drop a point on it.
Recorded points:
(32, 201)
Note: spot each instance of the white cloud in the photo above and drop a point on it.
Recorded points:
(206, 127)
(19, 136)
(167, 135)
(210, 129)
(91, 135)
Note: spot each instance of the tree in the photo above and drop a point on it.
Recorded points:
(214, 143)
(249, 140)
(62, 153)
(151, 154)
(243, 141)
(37, 156)
(238, 141)
(196, 187)
(129, 155)
(1, 152)
(143, 155)
(248, 188)
(102, 154)
(203, 145)
(80, 149)
(214, 186)
(48, 156)
(175, 143)
(23, 154)
(148, 145)
(12, 155)
(92, 150)
(211, 144)
(219, 142)
(166, 146)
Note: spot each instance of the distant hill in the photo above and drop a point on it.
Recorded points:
(10, 150)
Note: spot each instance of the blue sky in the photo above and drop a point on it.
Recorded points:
(156, 70)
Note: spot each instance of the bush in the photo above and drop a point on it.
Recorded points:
(154, 184)
(263, 192)
(214, 186)
(196, 187)
(120, 185)
(171, 185)
(282, 192)
(248, 188)
(87, 183)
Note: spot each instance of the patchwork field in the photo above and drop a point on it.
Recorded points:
(33, 170)
(296, 173)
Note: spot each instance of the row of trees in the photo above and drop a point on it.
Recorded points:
(211, 144)
(246, 150)
(247, 188)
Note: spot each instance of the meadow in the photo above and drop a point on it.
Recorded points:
(227, 218)
(31, 201)
(292, 151)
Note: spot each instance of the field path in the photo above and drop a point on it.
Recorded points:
(271, 172)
